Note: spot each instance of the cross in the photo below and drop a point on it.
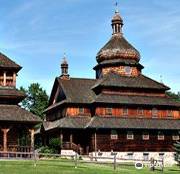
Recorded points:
(116, 7)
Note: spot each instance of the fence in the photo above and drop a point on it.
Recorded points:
(76, 159)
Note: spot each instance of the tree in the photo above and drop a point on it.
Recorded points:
(36, 100)
(177, 152)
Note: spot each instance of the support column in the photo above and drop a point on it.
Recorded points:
(5, 132)
(71, 140)
(61, 139)
(4, 82)
(95, 142)
(32, 138)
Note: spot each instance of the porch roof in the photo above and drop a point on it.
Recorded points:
(16, 113)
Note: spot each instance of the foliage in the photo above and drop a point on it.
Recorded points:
(177, 152)
(175, 96)
(53, 147)
(36, 100)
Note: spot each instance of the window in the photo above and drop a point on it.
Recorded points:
(160, 136)
(114, 135)
(130, 135)
(125, 111)
(81, 110)
(140, 111)
(128, 70)
(169, 113)
(130, 155)
(145, 136)
(146, 156)
(175, 137)
(154, 113)
(161, 155)
(108, 111)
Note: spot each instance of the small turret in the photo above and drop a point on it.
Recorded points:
(64, 69)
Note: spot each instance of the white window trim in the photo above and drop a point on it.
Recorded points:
(160, 136)
(130, 136)
(175, 138)
(145, 136)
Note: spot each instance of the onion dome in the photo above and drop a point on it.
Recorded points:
(117, 47)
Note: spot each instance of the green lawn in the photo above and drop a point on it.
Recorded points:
(67, 167)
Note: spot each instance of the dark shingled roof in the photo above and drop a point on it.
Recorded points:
(114, 80)
(8, 91)
(78, 90)
(6, 62)
(112, 123)
(67, 122)
(138, 100)
(16, 113)
(134, 123)
(117, 47)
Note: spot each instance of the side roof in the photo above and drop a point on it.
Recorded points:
(7, 63)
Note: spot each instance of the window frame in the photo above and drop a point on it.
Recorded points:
(140, 113)
(81, 112)
(125, 114)
(114, 135)
(154, 113)
(161, 136)
(145, 134)
(130, 135)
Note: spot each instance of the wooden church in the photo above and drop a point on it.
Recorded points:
(16, 124)
(120, 110)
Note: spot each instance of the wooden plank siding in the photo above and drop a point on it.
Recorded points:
(135, 145)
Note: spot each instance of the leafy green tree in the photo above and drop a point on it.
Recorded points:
(175, 96)
(177, 152)
(36, 100)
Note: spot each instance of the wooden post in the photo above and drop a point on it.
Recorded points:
(14, 79)
(4, 82)
(32, 139)
(5, 131)
(95, 144)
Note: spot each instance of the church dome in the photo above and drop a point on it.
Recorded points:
(117, 47)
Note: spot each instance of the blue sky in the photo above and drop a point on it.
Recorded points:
(36, 34)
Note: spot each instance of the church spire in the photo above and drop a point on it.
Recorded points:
(117, 22)
(64, 69)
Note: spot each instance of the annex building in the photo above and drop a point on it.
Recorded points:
(16, 124)
(121, 110)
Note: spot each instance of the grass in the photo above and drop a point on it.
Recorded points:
(68, 167)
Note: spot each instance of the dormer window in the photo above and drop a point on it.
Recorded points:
(108, 111)
(154, 113)
(128, 70)
(81, 110)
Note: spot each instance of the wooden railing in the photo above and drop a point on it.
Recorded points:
(72, 146)
(15, 148)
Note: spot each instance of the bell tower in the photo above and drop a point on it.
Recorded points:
(64, 69)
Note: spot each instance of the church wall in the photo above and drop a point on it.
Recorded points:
(76, 111)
